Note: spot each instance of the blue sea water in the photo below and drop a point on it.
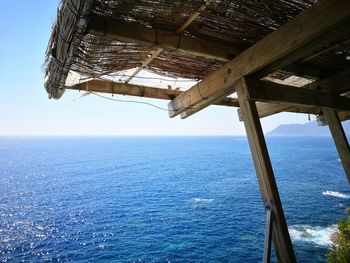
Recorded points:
(161, 199)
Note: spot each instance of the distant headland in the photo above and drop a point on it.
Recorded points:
(307, 129)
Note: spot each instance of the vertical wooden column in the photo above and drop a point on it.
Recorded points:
(282, 243)
(339, 138)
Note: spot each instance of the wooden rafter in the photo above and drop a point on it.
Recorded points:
(106, 86)
(298, 39)
(264, 107)
(190, 19)
(151, 37)
(267, 91)
(144, 64)
(180, 29)
(337, 84)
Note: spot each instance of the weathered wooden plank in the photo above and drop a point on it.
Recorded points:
(308, 31)
(266, 178)
(147, 36)
(339, 138)
(106, 86)
(267, 91)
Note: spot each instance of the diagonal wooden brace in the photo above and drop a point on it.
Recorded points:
(268, 187)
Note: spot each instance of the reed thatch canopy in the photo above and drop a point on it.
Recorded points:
(83, 39)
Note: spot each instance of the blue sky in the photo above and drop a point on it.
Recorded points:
(25, 109)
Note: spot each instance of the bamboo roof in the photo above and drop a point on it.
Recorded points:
(233, 26)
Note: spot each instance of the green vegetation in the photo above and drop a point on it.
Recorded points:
(340, 251)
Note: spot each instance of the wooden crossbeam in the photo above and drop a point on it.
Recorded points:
(267, 91)
(268, 107)
(264, 171)
(106, 86)
(320, 24)
(337, 84)
(110, 87)
(168, 40)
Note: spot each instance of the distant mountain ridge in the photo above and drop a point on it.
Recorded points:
(307, 129)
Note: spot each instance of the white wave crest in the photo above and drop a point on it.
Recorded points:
(336, 194)
(321, 236)
(201, 200)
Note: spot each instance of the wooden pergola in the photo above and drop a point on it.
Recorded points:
(96, 38)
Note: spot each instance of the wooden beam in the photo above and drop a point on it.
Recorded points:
(268, 109)
(144, 64)
(264, 171)
(152, 37)
(265, 110)
(138, 34)
(268, 91)
(110, 87)
(190, 19)
(106, 86)
(180, 29)
(320, 24)
(338, 84)
(339, 138)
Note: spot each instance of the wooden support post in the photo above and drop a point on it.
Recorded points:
(283, 245)
(339, 138)
(268, 233)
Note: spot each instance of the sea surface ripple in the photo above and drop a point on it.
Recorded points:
(161, 199)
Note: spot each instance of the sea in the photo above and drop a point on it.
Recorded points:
(162, 199)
